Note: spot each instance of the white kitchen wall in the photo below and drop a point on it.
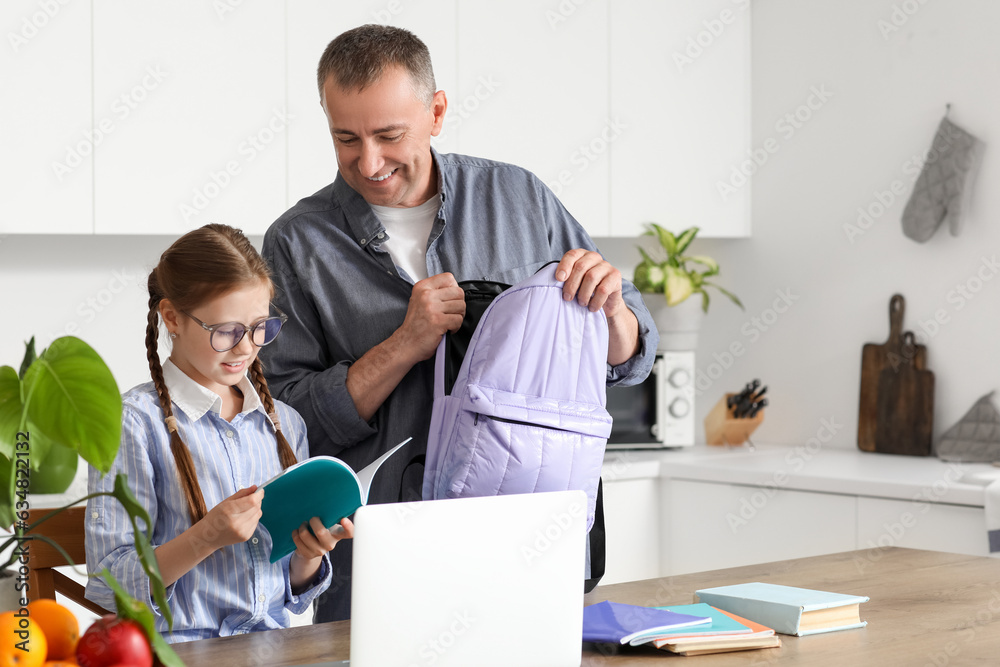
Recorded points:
(879, 74)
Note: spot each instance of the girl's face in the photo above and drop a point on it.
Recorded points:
(192, 350)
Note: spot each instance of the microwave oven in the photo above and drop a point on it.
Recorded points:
(658, 412)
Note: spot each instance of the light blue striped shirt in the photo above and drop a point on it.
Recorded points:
(235, 590)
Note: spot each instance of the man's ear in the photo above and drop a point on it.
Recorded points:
(439, 105)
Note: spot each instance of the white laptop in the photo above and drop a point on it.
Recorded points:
(471, 581)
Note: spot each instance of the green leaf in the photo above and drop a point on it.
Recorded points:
(58, 471)
(731, 296)
(684, 240)
(6, 495)
(29, 357)
(678, 286)
(135, 610)
(667, 240)
(145, 550)
(704, 260)
(704, 300)
(71, 396)
(10, 410)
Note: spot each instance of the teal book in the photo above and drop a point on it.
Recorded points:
(787, 609)
(321, 486)
(721, 624)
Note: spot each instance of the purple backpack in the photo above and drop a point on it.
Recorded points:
(527, 409)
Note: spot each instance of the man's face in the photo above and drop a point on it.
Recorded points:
(382, 136)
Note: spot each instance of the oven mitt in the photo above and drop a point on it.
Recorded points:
(944, 184)
(976, 436)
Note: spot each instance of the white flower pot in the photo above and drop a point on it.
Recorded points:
(678, 325)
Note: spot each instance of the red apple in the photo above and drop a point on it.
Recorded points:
(114, 641)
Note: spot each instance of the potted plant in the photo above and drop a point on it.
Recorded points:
(668, 278)
(61, 405)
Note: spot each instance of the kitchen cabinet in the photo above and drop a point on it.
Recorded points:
(533, 90)
(918, 524)
(312, 163)
(713, 526)
(680, 91)
(47, 171)
(632, 516)
(196, 91)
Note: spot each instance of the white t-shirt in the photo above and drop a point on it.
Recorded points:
(408, 230)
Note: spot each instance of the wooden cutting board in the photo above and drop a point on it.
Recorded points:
(905, 416)
(874, 359)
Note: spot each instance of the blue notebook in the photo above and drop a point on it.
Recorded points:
(720, 624)
(620, 623)
(321, 486)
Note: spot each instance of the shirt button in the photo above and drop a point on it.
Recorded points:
(229, 434)
(364, 241)
(254, 540)
(94, 515)
(262, 597)
(381, 235)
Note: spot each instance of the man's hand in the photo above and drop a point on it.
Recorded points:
(437, 305)
(596, 284)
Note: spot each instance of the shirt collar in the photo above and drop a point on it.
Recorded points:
(195, 400)
(365, 226)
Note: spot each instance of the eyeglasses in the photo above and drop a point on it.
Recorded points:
(228, 335)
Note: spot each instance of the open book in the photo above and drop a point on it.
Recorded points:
(321, 486)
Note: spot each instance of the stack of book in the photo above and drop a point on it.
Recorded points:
(723, 619)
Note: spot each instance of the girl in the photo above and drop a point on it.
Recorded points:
(196, 441)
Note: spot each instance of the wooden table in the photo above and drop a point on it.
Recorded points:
(926, 608)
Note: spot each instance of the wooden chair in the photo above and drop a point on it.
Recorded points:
(66, 529)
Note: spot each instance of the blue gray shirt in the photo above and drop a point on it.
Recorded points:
(344, 295)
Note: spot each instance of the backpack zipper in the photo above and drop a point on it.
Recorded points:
(520, 423)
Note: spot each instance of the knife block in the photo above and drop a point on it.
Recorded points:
(722, 428)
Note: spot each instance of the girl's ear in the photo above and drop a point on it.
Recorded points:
(169, 315)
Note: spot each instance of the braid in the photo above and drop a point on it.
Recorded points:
(182, 456)
(285, 453)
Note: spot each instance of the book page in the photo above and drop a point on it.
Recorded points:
(366, 474)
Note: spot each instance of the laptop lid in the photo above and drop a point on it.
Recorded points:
(470, 581)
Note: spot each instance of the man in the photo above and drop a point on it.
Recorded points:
(367, 269)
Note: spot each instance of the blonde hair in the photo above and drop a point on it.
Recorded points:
(201, 265)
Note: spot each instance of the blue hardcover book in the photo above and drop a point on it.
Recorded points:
(321, 486)
(620, 623)
(787, 609)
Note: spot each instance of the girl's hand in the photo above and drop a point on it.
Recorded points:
(234, 519)
(309, 545)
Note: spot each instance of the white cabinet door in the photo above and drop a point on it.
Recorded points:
(533, 91)
(680, 90)
(721, 525)
(632, 519)
(196, 91)
(47, 170)
(312, 24)
(918, 524)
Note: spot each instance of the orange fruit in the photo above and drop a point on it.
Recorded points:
(60, 663)
(61, 628)
(33, 641)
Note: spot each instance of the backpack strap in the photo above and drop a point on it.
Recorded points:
(598, 543)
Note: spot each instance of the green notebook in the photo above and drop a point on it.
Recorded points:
(321, 486)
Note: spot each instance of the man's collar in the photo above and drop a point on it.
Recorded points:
(195, 400)
(365, 226)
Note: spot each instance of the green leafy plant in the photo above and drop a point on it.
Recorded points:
(69, 402)
(669, 273)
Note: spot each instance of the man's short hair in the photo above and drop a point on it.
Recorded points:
(359, 57)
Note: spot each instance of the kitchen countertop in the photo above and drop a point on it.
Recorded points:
(824, 469)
